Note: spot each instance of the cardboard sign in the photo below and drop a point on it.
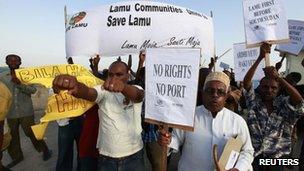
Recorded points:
(127, 27)
(171, 86)
(244, 58)
(265, 20)
(296, 34)
(231, 152)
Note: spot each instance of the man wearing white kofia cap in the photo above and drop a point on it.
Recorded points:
(214, 125)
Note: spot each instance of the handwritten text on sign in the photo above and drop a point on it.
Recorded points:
(296, 34)
(244, 58)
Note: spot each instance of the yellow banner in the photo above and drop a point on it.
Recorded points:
(61, 105)
(44, 75)
(39, 130)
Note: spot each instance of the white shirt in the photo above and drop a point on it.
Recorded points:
(119, 125)
(197, 146)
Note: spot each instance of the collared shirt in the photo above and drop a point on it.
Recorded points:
(5, 101)
(22, 104)
(197, 152)
(271, 133)
(150, 131)
(119, 125)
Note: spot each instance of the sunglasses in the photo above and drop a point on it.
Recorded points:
(220, 92)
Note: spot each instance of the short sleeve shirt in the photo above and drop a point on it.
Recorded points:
(119, 124)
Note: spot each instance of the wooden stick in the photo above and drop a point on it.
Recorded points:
(284, 56)
(164, 151)
(267, 59)
(65, 16)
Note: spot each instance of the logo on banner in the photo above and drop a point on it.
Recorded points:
(75, 21)
(76, 18)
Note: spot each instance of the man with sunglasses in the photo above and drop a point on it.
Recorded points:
(214, 124)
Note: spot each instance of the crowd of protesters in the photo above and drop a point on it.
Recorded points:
(113, 134)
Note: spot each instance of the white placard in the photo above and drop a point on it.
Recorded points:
(234, 155)
(296, 34)
(127, 27)
(171, 85)
(265, 20)
(244, 58)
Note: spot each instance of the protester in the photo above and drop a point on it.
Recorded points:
(21, 112)
(234, 95)
(132, 73)
(88, 153)
(69, 130)
(150, 131)
(94, 67)
(5, 101)
(271, 117)
(214, 124)
(300, 136)
(70, 60)
(142, 58)
(293, 78)
(203, 72)
(119, 138)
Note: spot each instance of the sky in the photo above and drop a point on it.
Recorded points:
(34, 29)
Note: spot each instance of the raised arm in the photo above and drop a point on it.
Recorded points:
(264, 50)
(94, 66)
(28, 89)
(130, 92)
(75, 88)
(279, 64)
(142, 57)
(211, 64)
(295, 96)
(130, 66)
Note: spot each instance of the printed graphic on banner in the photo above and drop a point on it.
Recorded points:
(127, 27)
(60, 105)
(170, 94)
(296, 34)
(244, 58)
(265, 20)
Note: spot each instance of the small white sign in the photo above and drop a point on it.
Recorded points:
(296, 34)
(234, 155)
(171, 85)
(244, 58)
(265, 20)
